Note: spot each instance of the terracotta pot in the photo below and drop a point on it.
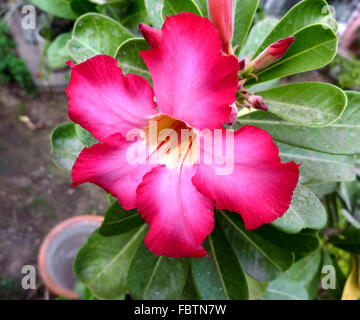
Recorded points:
(58, 250)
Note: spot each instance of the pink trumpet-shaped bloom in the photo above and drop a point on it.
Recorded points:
(221, 14)
(272, 54)
(195, 86)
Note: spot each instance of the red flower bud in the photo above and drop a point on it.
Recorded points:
(221, 14)
(151, 35)
(272, 54)
(242, 64)
(257, 102)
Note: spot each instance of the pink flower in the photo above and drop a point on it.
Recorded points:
(272, 54)
(194, 86)
(221, 14)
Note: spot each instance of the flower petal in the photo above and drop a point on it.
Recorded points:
(193, 82)
(180, 217)
(151, 35)
(104, 101)
(260, 187)
(109, 165)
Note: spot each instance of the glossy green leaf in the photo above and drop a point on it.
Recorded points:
(219, 276)
(119, 221)
(256, 288)
(341, 137)
(203, 6)
(312, 104)
(305, 13)
(96, 34)
(300, 243)
(244, 14)
(57, 54)
(154, 9)
(321, 188)
(350, 193)
(82, 6)
(85, 136)
(65, 145)
(323, 166)
(190, 292)
(306, 211)
(257, 34)
(172, 7)
(284, 289)
(348, 240)
(300, 282)
(156, 278)
(314, 47)
(102, 264)
(135, 14)
(260, 259)
(129, 58)
(58, 8)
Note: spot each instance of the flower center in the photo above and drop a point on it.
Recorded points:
(172, 141)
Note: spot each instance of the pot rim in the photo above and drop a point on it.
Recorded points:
(49, 282)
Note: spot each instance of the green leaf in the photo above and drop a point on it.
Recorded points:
(348, 240)
(260, 259)
(57, 54)
(102, 264)
(190, 292)
(119, 221)
(82, 6)
(349, 193)
(303, 242)
(203, 6)
(58, 8)
(304, 14)
(283, 289)
(306, 211)
(244, 14)
(154, 9)
(257, 34)
(219, 277)
(135, 14)
(256, 288)
(323, 166)
(296, 284)
(65, 145)
(85, 136)
(96, 34)
(129, 58)
(321, 188)
(156, 278)
(172, 7)
(312, 104)
(341, 137)
(313, 48)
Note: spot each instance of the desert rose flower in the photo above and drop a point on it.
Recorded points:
(271, 54)
(221, 14)
(194, 86)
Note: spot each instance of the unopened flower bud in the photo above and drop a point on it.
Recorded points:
(242, 65)
(221, 14)
(271, 54)
(257, 102)
(233, 115)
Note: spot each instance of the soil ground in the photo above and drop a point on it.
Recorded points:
(35, 194)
